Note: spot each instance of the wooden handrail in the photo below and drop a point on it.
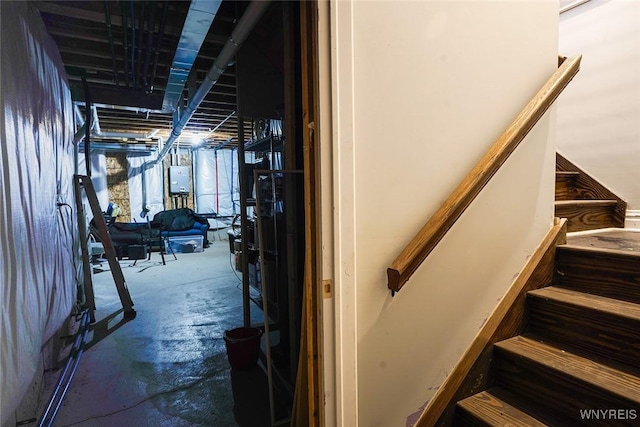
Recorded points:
(443, 219)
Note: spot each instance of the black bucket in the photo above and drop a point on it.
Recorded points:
(243, 346)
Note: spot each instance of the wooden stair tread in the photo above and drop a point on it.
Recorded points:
(611, 380)
(586, 202)
(493, 410)
(623, 309)
(595, 250)
(567, 173)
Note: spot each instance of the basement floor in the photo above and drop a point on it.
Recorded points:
(168, 366)
(610, 238)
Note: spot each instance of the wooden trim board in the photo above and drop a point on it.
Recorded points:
(472, 374)
(443, 219)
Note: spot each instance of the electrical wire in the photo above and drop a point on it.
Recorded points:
(233, 268)
(238, 286)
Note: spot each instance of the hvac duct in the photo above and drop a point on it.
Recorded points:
(119, 147)
(196, 26)
(78, 114)
(97, 132)
(96, 122)
(245, 25)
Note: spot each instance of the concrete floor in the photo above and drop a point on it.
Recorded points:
(168, 366)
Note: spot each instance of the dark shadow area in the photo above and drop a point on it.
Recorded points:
(251, 398)
(101, 329)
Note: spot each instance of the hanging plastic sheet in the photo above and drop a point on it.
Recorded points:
(37, 231)
(146, 190)
(98, 178)
(205, 181)
(228, 182)
(217, 183)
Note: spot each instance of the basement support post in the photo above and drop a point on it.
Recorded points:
(244, 224)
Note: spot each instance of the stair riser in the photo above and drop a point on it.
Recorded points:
(587, 187)
(606, 335)
(561, 393)
(565, 187)
(582, 218)
(582, 193)
(606, 274)
(464, 418)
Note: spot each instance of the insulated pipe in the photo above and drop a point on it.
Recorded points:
(215, 154)
(245, 25)
(143, 183)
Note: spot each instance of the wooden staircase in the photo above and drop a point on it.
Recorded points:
(586, 203)
(579, 354)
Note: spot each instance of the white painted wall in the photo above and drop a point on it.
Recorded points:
(419, 91)
(599, 116)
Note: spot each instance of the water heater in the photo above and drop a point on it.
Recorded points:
(179, 179)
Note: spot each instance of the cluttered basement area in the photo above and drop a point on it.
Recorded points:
(152, 213)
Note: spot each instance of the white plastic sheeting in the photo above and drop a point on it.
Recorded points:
(38, 286)
(152, 195)
(217, 184)
(98, 177)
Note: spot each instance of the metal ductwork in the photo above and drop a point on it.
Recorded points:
(79, 135)
(78, 115)
(249, 19)
(196, 26)
(97, 132)
(95, 121)
(118, 147)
